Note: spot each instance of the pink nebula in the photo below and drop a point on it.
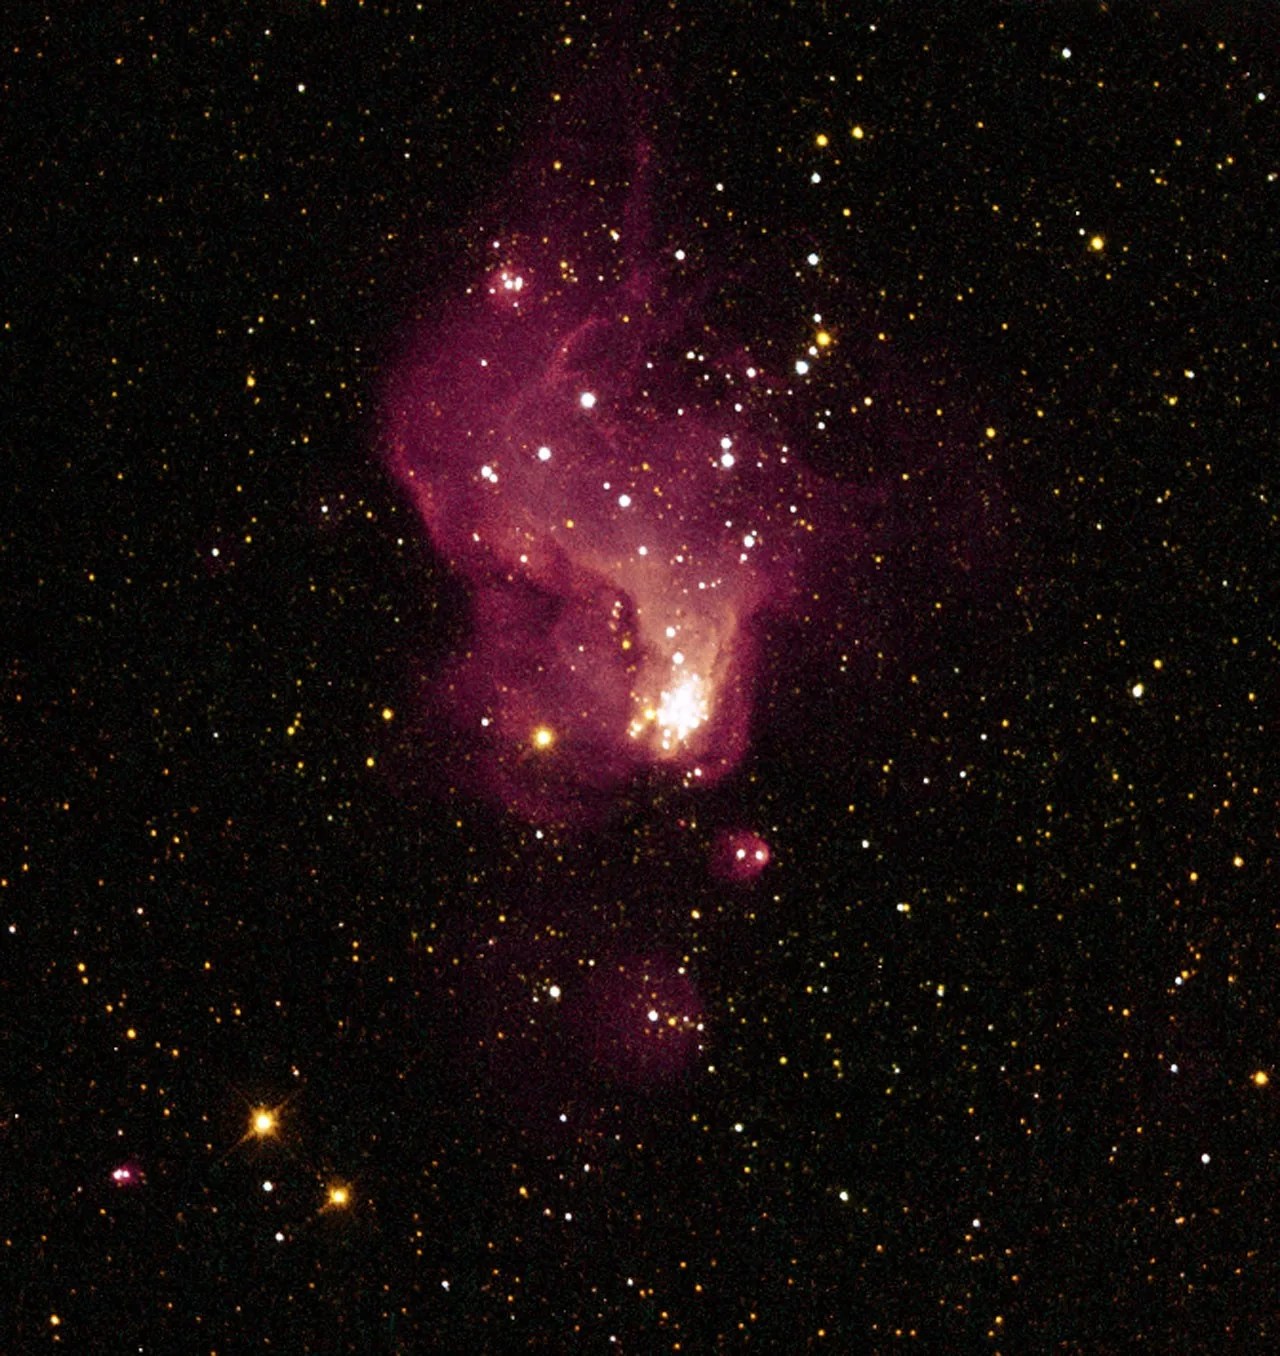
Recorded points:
(611, 480)
(127, 1175)
(739, 855)
(597, 446)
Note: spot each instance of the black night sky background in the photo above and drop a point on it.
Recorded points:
(310, 1044)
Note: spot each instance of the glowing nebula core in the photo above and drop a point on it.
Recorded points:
(610, 479)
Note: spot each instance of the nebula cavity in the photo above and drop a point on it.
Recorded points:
(608, 474)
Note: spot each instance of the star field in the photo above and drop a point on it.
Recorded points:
(638, 679)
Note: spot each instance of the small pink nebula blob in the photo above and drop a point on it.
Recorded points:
(739, 855)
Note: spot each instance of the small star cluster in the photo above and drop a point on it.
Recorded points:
(638, 680)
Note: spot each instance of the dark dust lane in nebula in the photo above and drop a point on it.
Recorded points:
(612, 478)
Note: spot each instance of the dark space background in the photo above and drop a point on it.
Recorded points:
(991, 1057)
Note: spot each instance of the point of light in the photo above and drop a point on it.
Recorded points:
(587, 400)
(339, 1197)
(1261, 1078)
(263, 1122)
(543, 737)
